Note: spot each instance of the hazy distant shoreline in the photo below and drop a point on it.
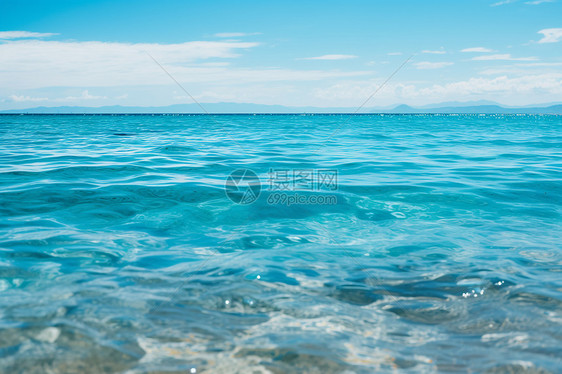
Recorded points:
(235, 108)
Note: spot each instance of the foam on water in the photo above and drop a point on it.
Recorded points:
(121, 252)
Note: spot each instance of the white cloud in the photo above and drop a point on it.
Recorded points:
(535, 87)
(533, 64)
(525, 84)
(431, 65)
(214, 64)
(22, 98)
(477, 50)
(234, 34)
(504, 2)
(24, 34)
(91, 71)
(330, 57)
(84, 96)
(503, 57)
(534, 2)
(551, 35)
(29, 64)
(37, 63)
(537, 2)
(438, 52)
(523, 69)
(394, 54)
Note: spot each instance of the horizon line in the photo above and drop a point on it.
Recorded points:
(275, 114)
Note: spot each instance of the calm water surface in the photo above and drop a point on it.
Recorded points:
(120, 251)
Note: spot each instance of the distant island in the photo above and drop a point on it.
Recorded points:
(481, 107)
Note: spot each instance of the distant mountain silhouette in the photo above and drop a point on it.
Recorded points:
(483, 107)
(479, 109)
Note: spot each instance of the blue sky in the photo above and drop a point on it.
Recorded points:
(328, 54)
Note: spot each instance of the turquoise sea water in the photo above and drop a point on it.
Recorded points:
(121, 252)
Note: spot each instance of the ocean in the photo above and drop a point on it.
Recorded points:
(280, 243)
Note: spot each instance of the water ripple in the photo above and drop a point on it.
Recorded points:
(120, 251)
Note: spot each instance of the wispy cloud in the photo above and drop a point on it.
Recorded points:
(533, 2)
(550, 83)
(503, 57)
(477, 50)
(84, 96)
(537, 2)
(23, 98)
(40, 63)
(330, 57)
(504, 2)
(424, 65)
(24, 34)
(235, 34)
(437, 52)
(523, 68)
(551, 35)
(394, 54)
(545, 84)
(31, 64)
(542, 64)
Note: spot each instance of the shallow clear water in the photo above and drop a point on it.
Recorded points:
(121, 252)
